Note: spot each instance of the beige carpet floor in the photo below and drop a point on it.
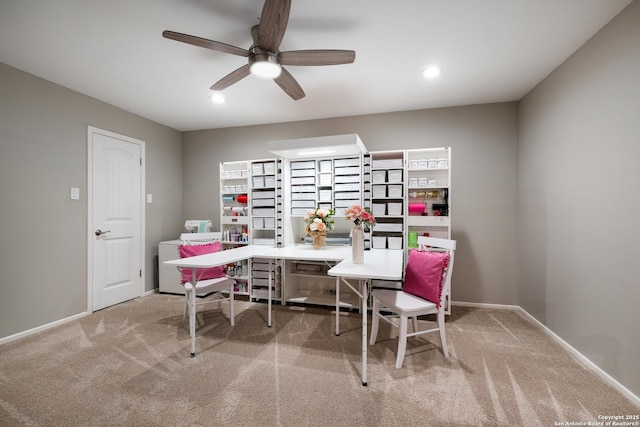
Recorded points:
(129, 365)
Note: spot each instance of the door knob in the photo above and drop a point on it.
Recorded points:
(100, 232)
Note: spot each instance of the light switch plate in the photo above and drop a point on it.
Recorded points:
(75, 193)
(149, 198)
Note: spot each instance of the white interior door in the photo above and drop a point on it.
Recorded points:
(116, 212)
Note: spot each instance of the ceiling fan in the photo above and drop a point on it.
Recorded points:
(264, 57)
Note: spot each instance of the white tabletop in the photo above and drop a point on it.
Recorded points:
(383, 264)
(302, 252)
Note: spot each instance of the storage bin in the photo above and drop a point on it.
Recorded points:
(350, 170)
(269, 181)
(379, 176)
(394, 175)
(347, 178)
(269, 222)
(394, 242)
(433, 163)
(379, 191)
(325, 166)
(379, 209)
(310, 204)
(303, 196)
(442, 163)
(303, 180)
(413, 164)
(303, 172)
(325, 179)
(347, 187)
(309, 164)
(413, 182)
(257, 222)
(379, 242)
(394, 209)
(431, 183)
(347, 162)
(324, 195)
(257, 169)
(263, 195)
(423, 164)
(269, 168)
(258, 181)
(422, 182)
(394, 190)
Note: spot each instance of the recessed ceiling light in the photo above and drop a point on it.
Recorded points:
(431, 72)
(217, 98)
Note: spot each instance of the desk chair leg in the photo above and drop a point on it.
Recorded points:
(414, 320)
(443, 338)
(231, 305)
(402, 341)
(375, 320)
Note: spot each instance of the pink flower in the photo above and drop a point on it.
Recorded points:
(321, 226)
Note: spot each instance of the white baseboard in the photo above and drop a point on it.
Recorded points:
(42, 328)
(575, 353)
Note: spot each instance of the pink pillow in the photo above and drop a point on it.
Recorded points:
(187, 251)
(424, 275)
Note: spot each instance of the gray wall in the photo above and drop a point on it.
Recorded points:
(579, 201)
(484, 168)
(43, 153)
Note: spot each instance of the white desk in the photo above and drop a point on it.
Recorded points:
(378, 264)
(385, 264)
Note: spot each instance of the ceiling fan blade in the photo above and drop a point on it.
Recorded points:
(231, 78)
(273, 23)
(288, 84)
(206, 43)
(317, 57)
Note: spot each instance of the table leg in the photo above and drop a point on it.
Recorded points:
(364, 286)
(337, 305)
(269, 291)
(192, 312)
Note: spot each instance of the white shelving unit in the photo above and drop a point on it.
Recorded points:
(428, 196)
(388, 199)
(234, 217)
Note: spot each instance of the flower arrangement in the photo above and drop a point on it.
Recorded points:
(360, 215)
(318, 220)
(317, 223)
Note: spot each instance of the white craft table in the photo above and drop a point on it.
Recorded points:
(385, 264)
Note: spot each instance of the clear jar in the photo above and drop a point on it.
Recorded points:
(442, 163)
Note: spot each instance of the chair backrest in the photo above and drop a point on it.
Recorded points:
(200, 238)
(440, 245)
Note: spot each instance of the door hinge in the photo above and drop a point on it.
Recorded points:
(140, 273)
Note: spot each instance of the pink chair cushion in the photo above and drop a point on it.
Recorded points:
(424, 275)
(187, 251)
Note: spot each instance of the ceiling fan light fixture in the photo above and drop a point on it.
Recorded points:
(264, 64)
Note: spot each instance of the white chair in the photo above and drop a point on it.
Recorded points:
(397, 306)
(205, 283)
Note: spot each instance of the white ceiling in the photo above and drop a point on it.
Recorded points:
(489, 50)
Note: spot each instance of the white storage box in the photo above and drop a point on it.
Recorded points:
(387, 163)
(394, 175)
(263, 202)
(299, 211)
(304, 188)
(351, 170)
(379, 209)
(379, 191)
(264, 241)
(269, 168)
(394, 190)
(324, 195)
(263, 195)
(303, 180)
(346, 203)
(388, 227)
(379, 176)
(303, 172)
(303, 196)
(394, 209)
(394, 242)
(325, 165)
(347, 162)
(258, 181)
(347, 187)
(347, 194)
(257, 222)
(269, 181)
(263, 212)
(379, 242)
(325, 179)
(310, 164)
(347, 178)
(269, 222)
(257, 169)
(310, 204)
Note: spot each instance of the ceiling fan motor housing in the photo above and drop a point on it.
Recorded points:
(264, 63)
